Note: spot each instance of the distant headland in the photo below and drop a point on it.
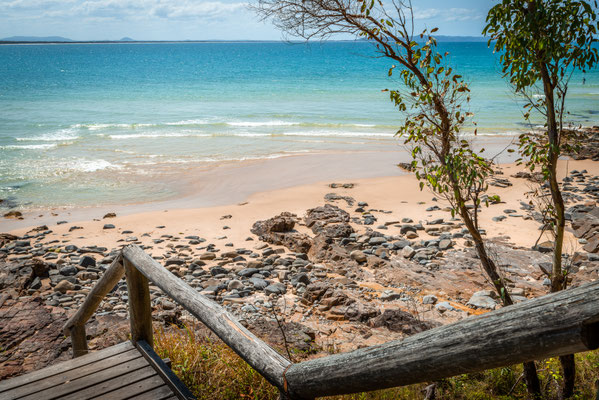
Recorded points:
(63, 40)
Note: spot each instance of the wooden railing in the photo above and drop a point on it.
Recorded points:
(557, 324)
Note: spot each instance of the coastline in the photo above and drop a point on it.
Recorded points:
(396, 191)
(234, 182)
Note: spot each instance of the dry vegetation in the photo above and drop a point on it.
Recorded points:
(213, 371)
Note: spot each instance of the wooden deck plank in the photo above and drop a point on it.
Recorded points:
(114, 387)
(73, 374)
(96, 379)
(134, 389)
(160, 393)
(64, 366)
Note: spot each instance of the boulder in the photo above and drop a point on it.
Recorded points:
(284, 222)
(63, 286)
(358, 256)
(400, 321)
(279, 231)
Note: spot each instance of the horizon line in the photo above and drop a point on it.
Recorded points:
(121, 41)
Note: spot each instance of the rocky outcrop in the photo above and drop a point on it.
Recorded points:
(319, 217)
(30, 336)
(279, 231)
(401, 321)
(585, 223)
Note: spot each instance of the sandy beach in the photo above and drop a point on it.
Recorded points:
(258, 190)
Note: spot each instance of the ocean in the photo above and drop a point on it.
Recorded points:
(95, 124)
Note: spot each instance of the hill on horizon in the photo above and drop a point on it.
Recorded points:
(36, 39)
(440, 38)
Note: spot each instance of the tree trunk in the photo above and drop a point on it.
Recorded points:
(486, 261)
(557, 276)
(532, 380)
(530, 369)
(569, 370)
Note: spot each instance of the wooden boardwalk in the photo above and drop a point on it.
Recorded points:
(120, 372)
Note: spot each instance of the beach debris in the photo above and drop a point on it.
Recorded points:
(13, 214)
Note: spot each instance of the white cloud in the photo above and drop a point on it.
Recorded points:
(451, 14)
(125, 9)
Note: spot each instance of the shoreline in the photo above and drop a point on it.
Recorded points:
(234, 182)
(231, 222)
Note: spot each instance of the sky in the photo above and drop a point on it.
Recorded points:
(194, 19)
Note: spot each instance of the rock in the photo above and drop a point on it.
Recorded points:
(545, 247)
(167, 305)
(335, 197)
(317, 218)
(68, 270)
(234, 284)
(208, 256)
(36, 283)
(13, 214)
(275, 288)
(390, 295)
(358, 256)
(247, 272)
(483, 299)
(359, 312)
(444, 306)
(63, 286)
(400, 321)
(429, 299)
(284, 222)
(109, 215)
(217, 271)
(86, 275)
(335, 230)
(259, 283)
(592, 245)
(445, 244)
(87, 261)
(376, 241)
(108, 226)
(408, 252)
(279, 231)
(30, 336)
(302, 277)
(230, 254)
(174, 261)
(255, 264)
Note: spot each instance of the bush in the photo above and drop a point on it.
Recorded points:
(211, 370)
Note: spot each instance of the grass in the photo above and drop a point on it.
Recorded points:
(213, 371)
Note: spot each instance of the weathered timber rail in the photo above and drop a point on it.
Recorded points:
(557, 324)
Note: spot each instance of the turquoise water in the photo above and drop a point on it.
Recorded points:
(107, 123)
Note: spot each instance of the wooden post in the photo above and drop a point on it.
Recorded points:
(78, 340)
(104, 285)
(254, 351)
(140, 309)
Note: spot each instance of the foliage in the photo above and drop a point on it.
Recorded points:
(433, 101)
(541, 44)
(209, 368)
(213, 371)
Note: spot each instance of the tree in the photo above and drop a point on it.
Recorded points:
(433, 97)
(542, 43)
